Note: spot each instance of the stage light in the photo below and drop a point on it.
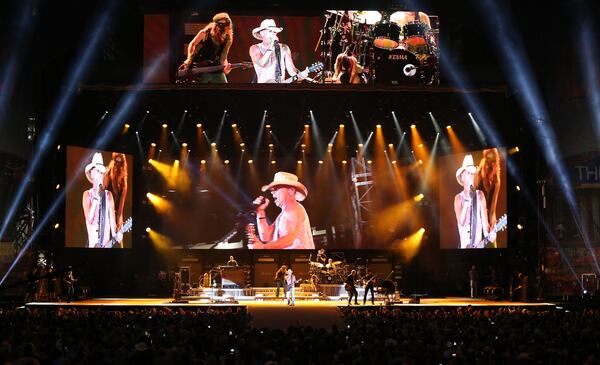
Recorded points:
(226, 162)
(242, 144)
(184, 144)
(198, 125)
(57, 186)
(420, 162)
(58, 148)
(378, 126)
(513, 150)
(273, 162)
(306, 126)
(270, 145)
(420, 145)
(448, 126)
(149, 160)
(213, 144)
(56, 226)
(153, 144)
(413, 126)
(341, 126)
(250, 161)
(164, 125)
(303, 145)
(418, 198)
(299, 162)
(369, 162)
(519, 227)
(390, 145)
(127, 125)
(268, 126)
(394, 162)
(360, 145)
(233, 125)
(518, 188)
(344, 162)
(329, 144)
(320, 162)
(203, 162)
(148, 229)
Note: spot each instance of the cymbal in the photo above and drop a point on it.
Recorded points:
(317, 264)
(370, 17)
(337, 262)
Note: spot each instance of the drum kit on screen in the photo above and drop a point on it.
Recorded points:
(399, 48)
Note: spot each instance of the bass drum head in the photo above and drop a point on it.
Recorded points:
(397, 67)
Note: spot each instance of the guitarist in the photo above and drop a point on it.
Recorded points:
(471, 209)
(99, 208)
(210, 47)
(350, 286)
(368, 280)
(270, 58)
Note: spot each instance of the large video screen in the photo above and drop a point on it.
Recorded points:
(98, 206)
(473, 199)
(333, 47)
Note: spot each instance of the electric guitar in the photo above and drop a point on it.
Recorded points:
(315, 67)
(195, 71)
(500, 226)
(365, 283)
(113, 241)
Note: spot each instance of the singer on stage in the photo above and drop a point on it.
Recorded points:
(291, 229)
(470, 208)
(270, 58)
(99, 208)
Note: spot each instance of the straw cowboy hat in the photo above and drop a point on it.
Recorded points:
(287, 179)
(97, 163)
(266, 24)
(467, 164)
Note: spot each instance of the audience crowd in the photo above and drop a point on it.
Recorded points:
(224, 335)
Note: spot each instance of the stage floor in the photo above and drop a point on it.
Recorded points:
(276, 314)
(169, 302)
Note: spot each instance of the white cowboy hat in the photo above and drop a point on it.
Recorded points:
(266, 24)
(467, 164)
(97, 163)
(287, 179)
(289, 271)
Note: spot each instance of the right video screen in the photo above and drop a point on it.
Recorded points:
(473, 199)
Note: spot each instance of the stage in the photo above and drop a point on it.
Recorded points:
(277, 314)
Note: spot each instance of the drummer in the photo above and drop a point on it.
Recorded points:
(331, 266)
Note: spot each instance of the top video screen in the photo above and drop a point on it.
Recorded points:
(334, 47)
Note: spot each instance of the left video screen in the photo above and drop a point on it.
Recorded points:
(99, 201)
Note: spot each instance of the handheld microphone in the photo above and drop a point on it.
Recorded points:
(100, 187)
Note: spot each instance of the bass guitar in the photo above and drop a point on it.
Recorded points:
(195, 71)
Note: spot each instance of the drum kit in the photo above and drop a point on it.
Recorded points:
(399, 48)
(330, 273)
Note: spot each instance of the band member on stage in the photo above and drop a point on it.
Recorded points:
(290, 282)
(70, 284)
(350, 285)
(270, 58)
(115, 181)
(322, 257)
(279, 279)
(489, 175)
(347, 70)
(210, 47)
(232, 261)
(368, 281)
(99, 208)
(314, 282)
(470, 208)
(330, 266)
(291, 229)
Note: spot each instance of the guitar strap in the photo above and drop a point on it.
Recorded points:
(102, 218)
(474, 212)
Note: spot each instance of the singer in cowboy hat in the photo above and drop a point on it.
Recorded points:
(99, 208)
(291, 228)
(471, 209)
(270, 58)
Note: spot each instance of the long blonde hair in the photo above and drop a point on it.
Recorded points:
(213, 29)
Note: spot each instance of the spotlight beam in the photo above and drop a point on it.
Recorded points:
(357, 133)
(259, 136)
(220, 130)
(57, 115)
(180, 125)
